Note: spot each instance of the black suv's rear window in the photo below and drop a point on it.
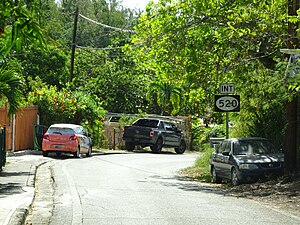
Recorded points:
(146, 123)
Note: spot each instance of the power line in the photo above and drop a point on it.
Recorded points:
(106, 26)
(111, 48)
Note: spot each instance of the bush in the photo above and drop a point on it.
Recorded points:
(202, 134)
(69, 107)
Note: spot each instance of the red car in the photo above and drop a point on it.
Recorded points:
(66, 138)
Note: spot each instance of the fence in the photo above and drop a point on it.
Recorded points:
(2, 147)
(19, 128)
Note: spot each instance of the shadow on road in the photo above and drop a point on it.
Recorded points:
(188, 184)
(10, 189)
(142, 151)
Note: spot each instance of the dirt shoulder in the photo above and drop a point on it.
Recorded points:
(279, 194)
(282, 194)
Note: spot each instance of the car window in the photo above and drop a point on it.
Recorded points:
(169, 126)
(249, 147)
(79, 130)
(161, 125)
(146, 123)
(225, 146)
(60, 130)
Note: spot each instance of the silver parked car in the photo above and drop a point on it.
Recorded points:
(245, 160)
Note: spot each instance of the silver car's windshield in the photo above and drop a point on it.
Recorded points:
(250, 147)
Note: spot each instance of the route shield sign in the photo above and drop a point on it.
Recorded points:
(227, 103)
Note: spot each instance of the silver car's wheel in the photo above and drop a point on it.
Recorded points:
(89, 153)
(77, 153)
(234, 177)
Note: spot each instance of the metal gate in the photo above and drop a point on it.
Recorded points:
(2, 147)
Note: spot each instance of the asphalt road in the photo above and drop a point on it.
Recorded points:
(137, 189)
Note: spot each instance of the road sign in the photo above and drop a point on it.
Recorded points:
(227, 88)
(227, 103)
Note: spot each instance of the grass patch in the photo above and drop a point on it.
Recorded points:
(200, 170)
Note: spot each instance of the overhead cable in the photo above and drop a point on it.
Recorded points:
(106, 26)
(99, 48)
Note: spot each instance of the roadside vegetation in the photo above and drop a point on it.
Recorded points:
(200, 170)
(169, 59)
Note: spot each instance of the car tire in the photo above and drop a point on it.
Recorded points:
(156, 148)
(58, 154)
(77, 153)
(89, 153)
(129, 146)
(234, 177)
(214, 176)
(181, 148)
(45, 153)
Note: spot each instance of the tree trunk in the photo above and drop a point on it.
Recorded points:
(290, 149)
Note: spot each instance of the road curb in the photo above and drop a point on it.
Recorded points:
(43, 196)
(23, 152)
(20, 214)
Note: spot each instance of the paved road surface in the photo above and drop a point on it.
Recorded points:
(143, 188)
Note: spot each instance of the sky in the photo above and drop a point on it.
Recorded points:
(135, 4)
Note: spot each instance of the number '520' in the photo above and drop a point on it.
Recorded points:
(228, 103)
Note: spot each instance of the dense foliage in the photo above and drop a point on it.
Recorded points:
(169, 59)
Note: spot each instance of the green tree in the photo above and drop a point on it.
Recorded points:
(50, 65)
(205, 43)
(17, 29)
(168, 96)
(115, 82)
(10, 87)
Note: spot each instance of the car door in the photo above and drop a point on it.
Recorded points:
(168, 133)
(223, 159)
(218, 157)
(227, 160)
(172, 134)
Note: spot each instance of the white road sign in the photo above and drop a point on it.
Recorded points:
(227, 88)
(227, 103)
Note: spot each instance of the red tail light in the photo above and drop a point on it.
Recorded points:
(73, 138)
(46, 136)
(151, 133)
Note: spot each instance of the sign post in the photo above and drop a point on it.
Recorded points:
(227, 103)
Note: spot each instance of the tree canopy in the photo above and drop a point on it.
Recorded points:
(169, 59)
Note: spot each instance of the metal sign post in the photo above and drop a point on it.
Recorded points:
(227, 125)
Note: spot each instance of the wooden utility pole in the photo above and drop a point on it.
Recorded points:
(73, 45)
(291, 107)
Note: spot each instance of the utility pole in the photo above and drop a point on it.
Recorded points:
(73, 45)
(291, 107)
